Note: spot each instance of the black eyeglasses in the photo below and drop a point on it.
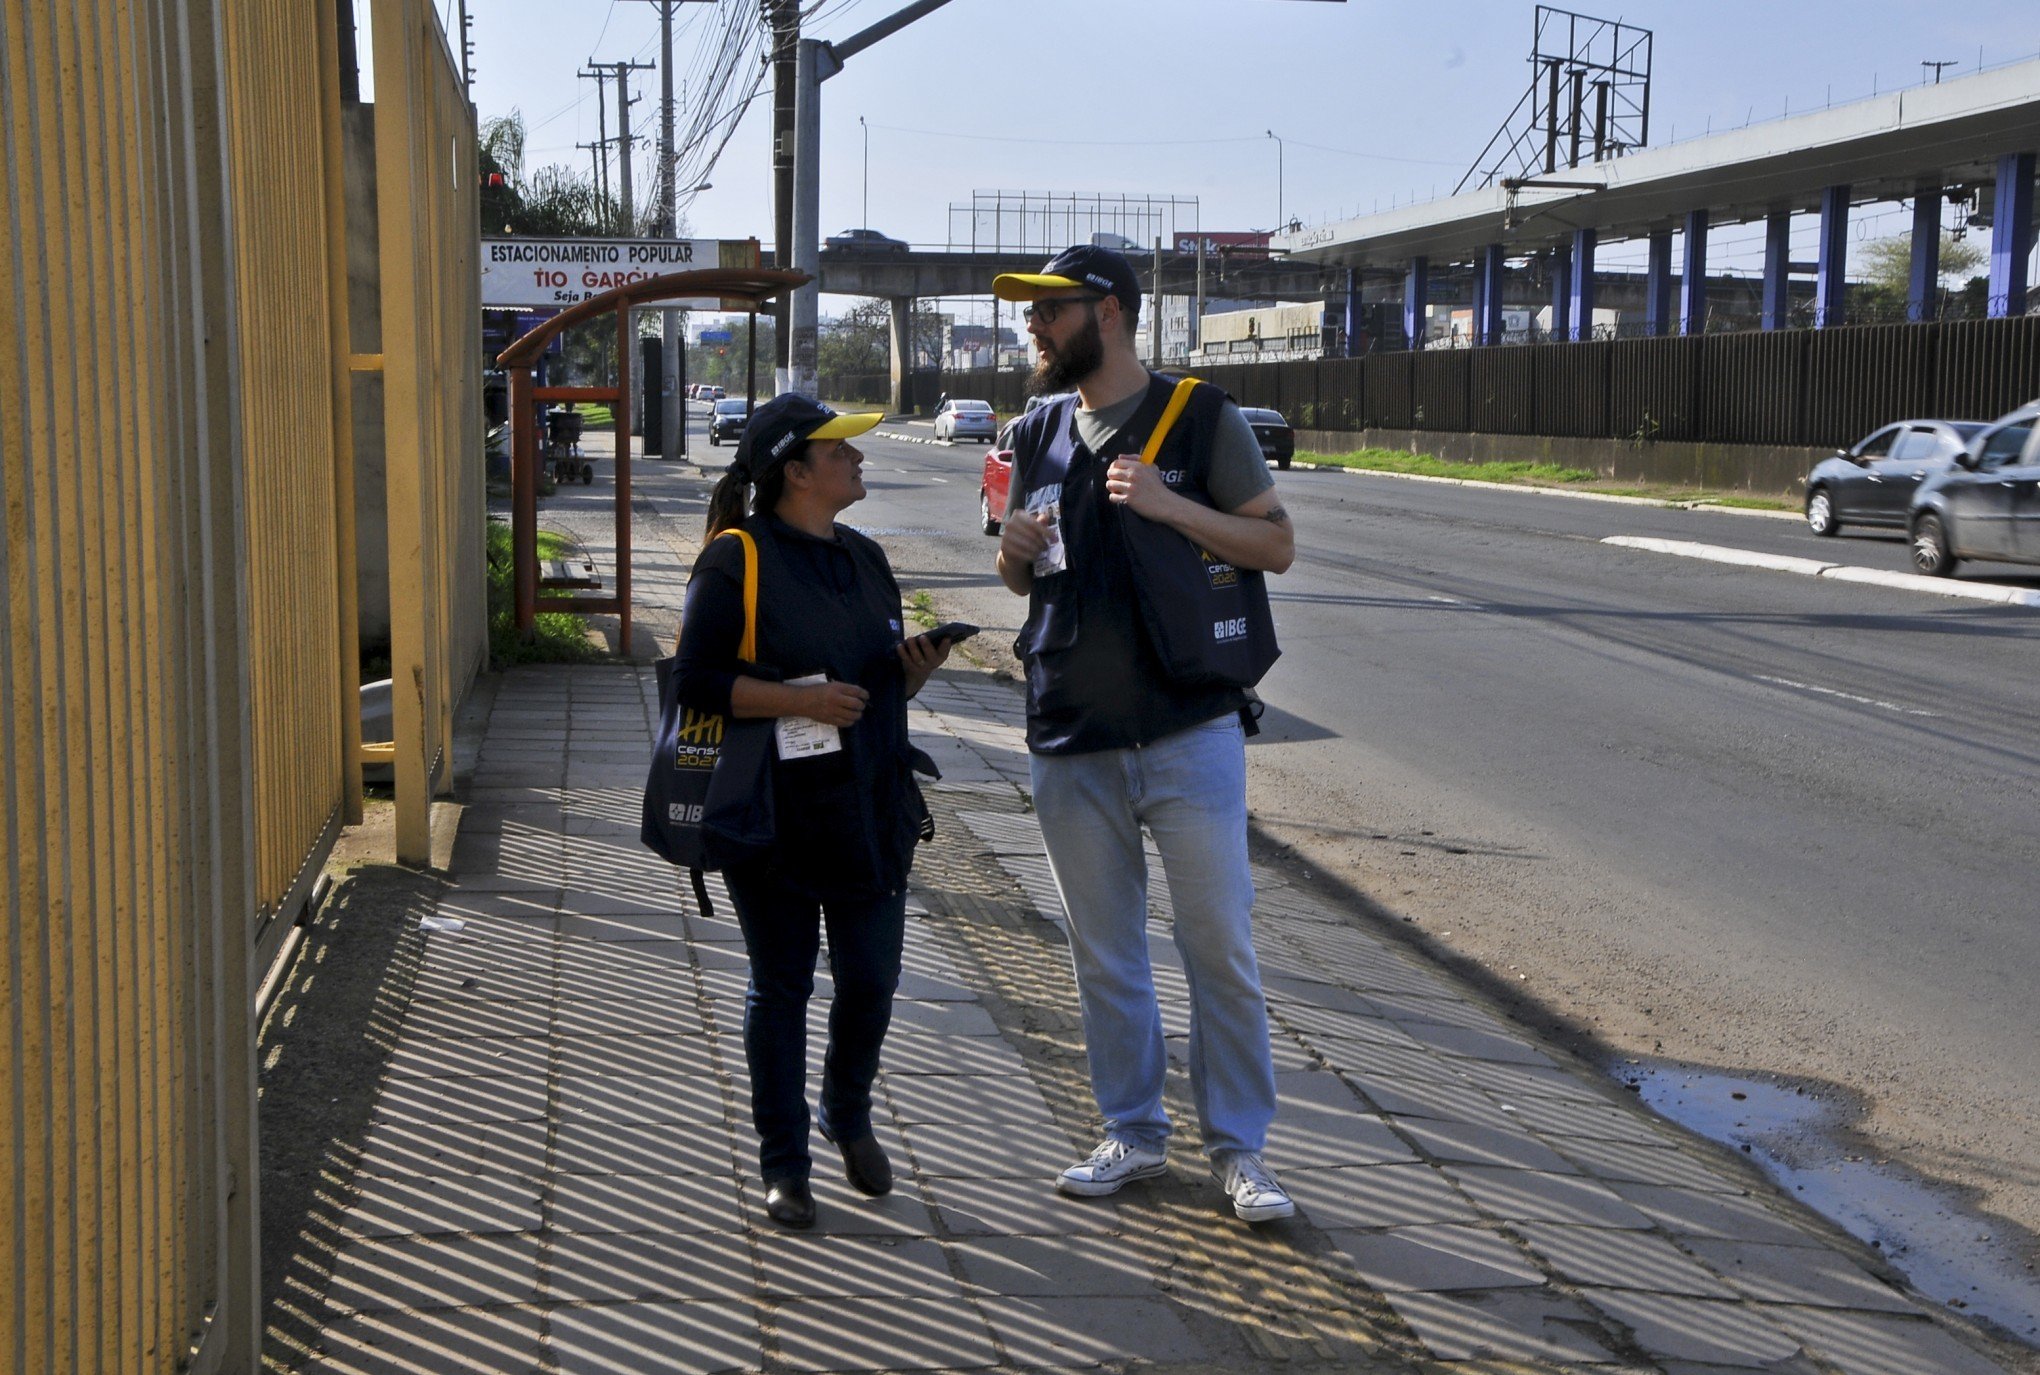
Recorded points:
(1047, 310)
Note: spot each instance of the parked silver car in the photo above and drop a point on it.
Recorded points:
(1986, 506)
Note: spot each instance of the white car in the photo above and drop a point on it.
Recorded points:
(966, 420)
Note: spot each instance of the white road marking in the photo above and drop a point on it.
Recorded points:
(1449, 601)
(1846, 696)
(1876, 577)
(938, 479)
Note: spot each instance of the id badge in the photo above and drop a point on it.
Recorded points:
(1055, 558)
(803, 737)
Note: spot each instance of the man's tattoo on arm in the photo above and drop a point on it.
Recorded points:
(1276, 516)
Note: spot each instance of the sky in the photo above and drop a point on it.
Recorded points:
(1374, 101)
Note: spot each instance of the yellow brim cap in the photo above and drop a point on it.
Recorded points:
(1032, 286)
(846, 426)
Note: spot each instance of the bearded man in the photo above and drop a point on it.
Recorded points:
(1115, 746)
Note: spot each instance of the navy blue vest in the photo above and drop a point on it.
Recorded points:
(1093, 682)
(847, 822)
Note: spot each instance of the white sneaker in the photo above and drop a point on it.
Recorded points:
(1110, 1167)
(1256, 1195)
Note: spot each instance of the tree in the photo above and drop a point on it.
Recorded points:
(1886, 289)
(554, 201)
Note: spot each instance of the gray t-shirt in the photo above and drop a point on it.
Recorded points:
(1239, 472)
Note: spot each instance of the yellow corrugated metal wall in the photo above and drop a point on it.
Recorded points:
(127, 1106)
(176, 656)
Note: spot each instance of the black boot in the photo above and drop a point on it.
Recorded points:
(790, 1203)
(866, 1167)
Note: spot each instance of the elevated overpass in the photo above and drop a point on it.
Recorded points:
(902, 278)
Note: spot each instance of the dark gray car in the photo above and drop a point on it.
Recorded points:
(1987, 506)
(1873, 482)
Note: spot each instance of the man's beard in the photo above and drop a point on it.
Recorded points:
(1072, 363)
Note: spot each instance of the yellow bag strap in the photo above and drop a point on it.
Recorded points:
(1178, 399)
(748, 649)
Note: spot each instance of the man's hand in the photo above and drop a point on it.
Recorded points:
(1139, 488)
(834, 704)
(1022, 540)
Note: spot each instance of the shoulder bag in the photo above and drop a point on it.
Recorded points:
(708, 798)
(1208, 621)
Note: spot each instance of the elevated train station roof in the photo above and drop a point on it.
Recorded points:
(1883, 148)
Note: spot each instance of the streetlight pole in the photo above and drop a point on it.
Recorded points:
(866, 221)
(1279, 220)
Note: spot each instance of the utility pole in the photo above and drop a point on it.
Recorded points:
(783, 21)
(468, 54)
(1937, 66)
(624, 143)
(601, 77)
(672, 415)
(816, 62)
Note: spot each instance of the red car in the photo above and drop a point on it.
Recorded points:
(997, 480)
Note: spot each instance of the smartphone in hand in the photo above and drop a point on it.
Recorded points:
(953, 632)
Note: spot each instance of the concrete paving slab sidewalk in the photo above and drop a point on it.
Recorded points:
(560, 1174)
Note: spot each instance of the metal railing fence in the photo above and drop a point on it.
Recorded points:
(1785, 388)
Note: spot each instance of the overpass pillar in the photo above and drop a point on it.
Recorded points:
(1583, 241)
(1561, 292)
(1416, 305)
(1487, 296)
(1777, 307)
(1693, 285)
(1923, 282)
(2011, 234)
(900, 336)
(1829, 285)
(1657, 286)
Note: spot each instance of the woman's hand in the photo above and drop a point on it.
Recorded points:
(921, 656)
(833, 703)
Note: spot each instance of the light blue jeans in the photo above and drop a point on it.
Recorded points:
(1190, 791)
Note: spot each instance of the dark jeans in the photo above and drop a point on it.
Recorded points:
(782, 933)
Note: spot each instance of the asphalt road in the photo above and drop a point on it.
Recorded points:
(1733, 818)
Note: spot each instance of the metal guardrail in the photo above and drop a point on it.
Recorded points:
(178, 667)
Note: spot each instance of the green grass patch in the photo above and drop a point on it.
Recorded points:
(921, 610)
(1429, 465)
(595, 415)
(557, 637)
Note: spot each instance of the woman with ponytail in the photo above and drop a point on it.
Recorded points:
(834, 668)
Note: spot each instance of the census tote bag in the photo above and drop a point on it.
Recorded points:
(708, 798)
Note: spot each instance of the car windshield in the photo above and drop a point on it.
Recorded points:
(1968, 429)
(973, 407)
(729, 407)
(1256, 416)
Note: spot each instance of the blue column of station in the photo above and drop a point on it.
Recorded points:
(2011, 234)
(1353, 312)
(1923, 282)
(1829, 284)
(1582, 312)
(1561, 292)
(1693, 285)
(1657, 286)
(1487, 296)
(1777, 304)
(1416, 302)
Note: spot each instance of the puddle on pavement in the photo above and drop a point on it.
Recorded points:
(1953, 1256)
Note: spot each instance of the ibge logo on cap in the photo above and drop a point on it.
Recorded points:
(1103, 283)
(779, 447)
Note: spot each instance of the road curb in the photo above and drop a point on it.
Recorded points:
(1782, 563)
